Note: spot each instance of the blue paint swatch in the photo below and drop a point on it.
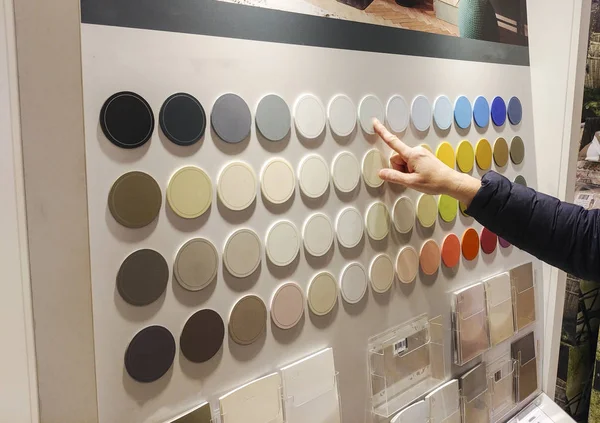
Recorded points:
(498, 111)
(442, 112)
(481, 112)
(462, 112)
(515, 111)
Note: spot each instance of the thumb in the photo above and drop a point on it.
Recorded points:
(390, 139)
(397, 177)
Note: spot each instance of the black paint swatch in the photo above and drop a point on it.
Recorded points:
(127, 120)
(182, 119)
(150, 354)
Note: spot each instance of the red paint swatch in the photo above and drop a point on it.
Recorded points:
(470, 244)
(451, 250)
(489, 241)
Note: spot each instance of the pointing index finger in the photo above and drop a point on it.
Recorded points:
(390, 139)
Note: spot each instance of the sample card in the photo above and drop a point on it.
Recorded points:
(473, 385)
(471, 326)
(416, 413)
(521, 279)
(500, 308)
(256, 402)
(523, 350)
(200, 414)
(444, 403)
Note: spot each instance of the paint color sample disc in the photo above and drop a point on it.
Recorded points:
(342, 115)
(451, 250)
(273, 118)
(189, 192)
(370, 107)
(462, 112)
(309, 116)
(242, 253)
(196, 264)
(427, 210)
(501, 152)
(430, 257)
(135, 199)
(354, 283)
(287, 305)
(470, 244)
(318, 235)
(142, 277)
(520, 180)
(127, 120)
(378, 221)
(421, 113)
(150, 354)
(182, 119)
(381, 273)
(397, 114)
(407, 264)
(345, 172)
(515, 111)
(465, 156)
(503, 243)
(489, 240)
(498, 111)
(202, 336)
(442, 112)
(445, 153)
(481, 112)
(517, 150)
(278, 181)
(349, 227)
(372, 163)
(322, 294)
(404, 215)
(283, 243)
(483, 154)
(237, 186)
(248, 320)
(448, 208)
(231, 118)
(427, 147)
(313, 176)
(463, 209)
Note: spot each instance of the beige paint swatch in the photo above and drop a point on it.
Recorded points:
(407, 264)
(345, 171)
(278, 181)
(427, 210)
(196, 264)
(248, 320)
(322, 293)
(190, 192)
(318, 235)
(373, 162)
(236, 187)
(378, 221)
(242, 253)
(404, 215)
(313, 176)
(287, 305)
(381, 273)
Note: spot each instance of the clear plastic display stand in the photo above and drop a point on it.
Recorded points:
(501, 386)
(323, 405)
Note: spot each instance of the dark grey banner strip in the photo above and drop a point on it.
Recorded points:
(220, 19)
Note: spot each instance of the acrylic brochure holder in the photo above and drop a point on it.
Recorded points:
(501, 378)
(470, 330)
(526, 378)
(477, 409)
(322, 406)
(405, 362)
(524, 301)
(224, 417)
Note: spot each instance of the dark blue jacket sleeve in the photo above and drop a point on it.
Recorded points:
(561, 234)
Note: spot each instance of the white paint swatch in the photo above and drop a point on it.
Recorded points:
(349, 227)
(416, 413)
(444, 403)
(346, 172)
(353, 283)
(278, 181)
(318, 235)
(313, 176)
(370, 107)
(283, 243)
(237, 186)
(309, 116)
(256, 402)
(342, 115)
(397, 113)
(421, 113)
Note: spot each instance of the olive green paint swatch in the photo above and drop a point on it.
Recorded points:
(135, 199)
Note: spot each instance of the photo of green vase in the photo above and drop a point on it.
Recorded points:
(477, 20)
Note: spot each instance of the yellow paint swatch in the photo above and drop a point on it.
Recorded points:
(448, 208)
(463, 209)
(189, 192)
(483, 154)
(465, 156)
(427, 147)
(445, 153)
(427, 210)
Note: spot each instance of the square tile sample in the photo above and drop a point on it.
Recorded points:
(444, 403)
(498, 296)
(523, 350)
(471, 326)
(521, 279)
(256, 402)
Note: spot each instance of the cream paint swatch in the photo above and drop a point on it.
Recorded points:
(407, 264)
(354, 282)
(309, 116)
(378, 221)
(427, 210)
(313, 176)
(310, 390)
(500, 308)
(373, 162)
(278, 181)
(345, 172)
(318, 235)
(444, 403)
(283, 243)
(256, 402)
(370, 107)
(242, 253)
(415, 413)
(381, 273)
(322, 293)
(342, 115)
(190, 192)
(349, 227)
(237, 186)
(404, 215)
(397, 114)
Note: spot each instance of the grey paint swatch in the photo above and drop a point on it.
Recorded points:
(517, 150)
(520, 179)
(196, 264)
(231, 118)
(273, 118)
(135, 199)
(142, 277)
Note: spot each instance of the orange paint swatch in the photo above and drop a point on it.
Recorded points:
(470, 244)
(430, 257)
(451, 250)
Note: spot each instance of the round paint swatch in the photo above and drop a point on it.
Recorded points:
(483, 154)
(520, 180)
(421, 113)
(481, 112)
(236, 187)
(342, 115)
(427, 147)
(345, 171)
(489, 240)
(463, 209)
(370, 107)
(150, 354)
(287, 306)
(189, 192)
(322, 294)
(242, 253)
(313, 176)
(142, 277)
(448, 208)
(135, 199)
(430, 257)
(404, 215)
(283, 243)
(278, 181)
(273, 118)
(231, 118)
(407, 264)
(498, 111)
(465, 156)
(470, 244)
(515, 111)
(127, 120)
(354, 283)
(349, 227)
(517, 150)
(397, 114)
(202, 336)
(427, 210)
(378, 221)
(309, 116)
(442, 112)
(182, 119)
(503, 243)
(318, 235)
(462, 112)
(445, 153)
(381, 273)
(248, 320)
(372, 163)
(451, 251)
(196, 264)
(501, 152)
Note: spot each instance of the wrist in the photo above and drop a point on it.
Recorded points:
(461, 186)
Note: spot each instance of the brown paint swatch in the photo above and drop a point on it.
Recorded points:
(150, 354)
(202, 336)
(142, 277)
(523, 350)
(248, 320)
(135, 199)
